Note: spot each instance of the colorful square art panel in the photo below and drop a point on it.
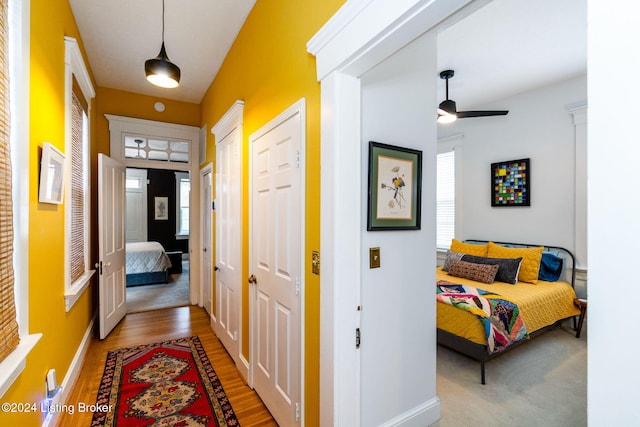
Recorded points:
(510, 183)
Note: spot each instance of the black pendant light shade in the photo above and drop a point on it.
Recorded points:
(160, 70)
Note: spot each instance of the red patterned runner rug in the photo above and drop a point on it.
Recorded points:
(171, 383)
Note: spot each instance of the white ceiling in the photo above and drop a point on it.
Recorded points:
(120, 35)
(511, 46)
(506, 47)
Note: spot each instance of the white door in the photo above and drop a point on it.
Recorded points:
(136, 206)
(207, 253)
(228, 240)
(112, 295)
(276, 263)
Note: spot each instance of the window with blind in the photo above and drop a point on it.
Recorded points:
(183, 188)
(77, 203)
(9, 334)
(79, 179)
(446, 199)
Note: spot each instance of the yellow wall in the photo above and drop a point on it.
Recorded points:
(62, 332)
(269, 69)
(129, 104)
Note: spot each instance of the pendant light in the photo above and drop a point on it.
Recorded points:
(160, 70)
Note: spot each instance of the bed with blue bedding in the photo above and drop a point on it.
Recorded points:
(146, 263)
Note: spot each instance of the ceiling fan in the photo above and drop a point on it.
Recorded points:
(447, 111)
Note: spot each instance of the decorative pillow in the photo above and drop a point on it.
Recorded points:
(485, 273)
(530, 260)
(508, 267)
(451, 258)
(468, 248)
(550, 267)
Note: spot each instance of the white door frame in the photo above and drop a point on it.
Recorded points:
(357, 38)
(298, 108)
(205, 206)
(120, 126)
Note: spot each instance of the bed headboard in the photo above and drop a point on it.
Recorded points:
(566, 254)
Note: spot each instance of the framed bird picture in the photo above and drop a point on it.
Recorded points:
(395, 178)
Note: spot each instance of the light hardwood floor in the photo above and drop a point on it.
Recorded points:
(160, 325)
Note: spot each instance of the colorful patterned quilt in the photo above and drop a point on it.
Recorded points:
(500, 317)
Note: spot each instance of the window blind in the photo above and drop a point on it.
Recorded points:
(78, 114)
(445, 199)
(9, 337)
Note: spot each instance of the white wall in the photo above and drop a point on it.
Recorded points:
(614, 209)
(539, 126)
(398, 317)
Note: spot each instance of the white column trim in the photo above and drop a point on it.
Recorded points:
(359, 36)
(579, 116)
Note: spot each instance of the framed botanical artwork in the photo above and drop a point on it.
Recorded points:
(161, 208)
(511, 183)
(395, 180)
(51, 175)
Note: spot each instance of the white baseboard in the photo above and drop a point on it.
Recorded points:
(243, 368)
(72, 373)
(422, 415)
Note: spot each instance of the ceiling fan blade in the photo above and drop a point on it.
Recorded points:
(486, 113)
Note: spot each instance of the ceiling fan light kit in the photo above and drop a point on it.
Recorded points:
(447, 111)
(160, 70)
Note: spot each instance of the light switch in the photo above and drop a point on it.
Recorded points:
(374, 257)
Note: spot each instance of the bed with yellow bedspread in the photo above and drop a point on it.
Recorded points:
(542, 305)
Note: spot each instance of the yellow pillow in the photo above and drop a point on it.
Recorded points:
(530, 260)
(468, 248)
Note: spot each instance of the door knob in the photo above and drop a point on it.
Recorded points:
(253, 280)
(216, 268)
(204, 249)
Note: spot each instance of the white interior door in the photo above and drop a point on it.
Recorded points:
(136, 206)
(112, 293)
(207, 253)
(276, 263)
(228, 241)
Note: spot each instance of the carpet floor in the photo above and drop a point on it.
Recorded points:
(540, 383)
(160, 295)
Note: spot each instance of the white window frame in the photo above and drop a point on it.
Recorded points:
(179, 177)
(75, 67)
(455, 143)
(19, 28)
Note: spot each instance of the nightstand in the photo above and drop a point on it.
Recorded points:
(581, 303)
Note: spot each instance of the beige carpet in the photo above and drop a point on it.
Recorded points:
(161, 295)
(540, 383)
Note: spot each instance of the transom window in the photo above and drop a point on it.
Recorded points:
(143, 148)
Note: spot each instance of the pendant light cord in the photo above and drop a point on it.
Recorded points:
(163, 21)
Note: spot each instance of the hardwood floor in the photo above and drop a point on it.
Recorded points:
(160, 325)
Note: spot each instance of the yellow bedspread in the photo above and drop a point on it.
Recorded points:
(540, 305)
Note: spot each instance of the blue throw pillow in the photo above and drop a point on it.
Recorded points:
(550, 267)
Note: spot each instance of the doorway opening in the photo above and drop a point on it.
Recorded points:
(157, 235)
